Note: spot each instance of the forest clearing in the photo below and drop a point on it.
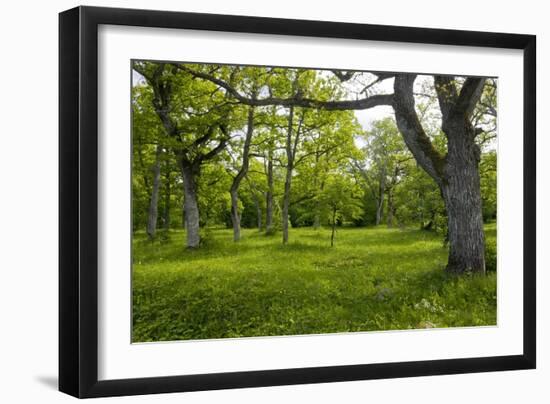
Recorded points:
(373, 279)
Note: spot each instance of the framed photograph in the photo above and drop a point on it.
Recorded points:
(251, 201)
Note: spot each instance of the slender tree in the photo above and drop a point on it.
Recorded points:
(290, 147)
(234, 190)
(339, 201)
(269, 193)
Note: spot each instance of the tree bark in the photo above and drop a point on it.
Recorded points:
(462, 195)
(153, 201)
(234, 191)
(190, 173)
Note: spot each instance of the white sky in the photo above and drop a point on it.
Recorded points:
(136, 78)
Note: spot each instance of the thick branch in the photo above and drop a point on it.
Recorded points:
(296, 101)
(469, 95)
(410, 127)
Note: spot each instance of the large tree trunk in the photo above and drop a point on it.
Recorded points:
(153, 201)
(234, 191)
(462, 195)
(269, 196)
(190, 175)
(457, 173)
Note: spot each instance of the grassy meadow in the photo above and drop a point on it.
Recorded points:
(372, 279)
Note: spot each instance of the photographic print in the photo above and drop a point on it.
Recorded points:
(321, 208)
(274, 201)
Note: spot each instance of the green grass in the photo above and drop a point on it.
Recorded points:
(372, 279)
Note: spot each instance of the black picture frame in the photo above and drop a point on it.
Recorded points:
(78, 201)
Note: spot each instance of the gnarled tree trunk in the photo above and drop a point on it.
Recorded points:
(462, 195)
(457, 173)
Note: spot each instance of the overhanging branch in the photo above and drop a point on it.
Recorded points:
(296, 101)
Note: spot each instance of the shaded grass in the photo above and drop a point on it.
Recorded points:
(373, 279)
